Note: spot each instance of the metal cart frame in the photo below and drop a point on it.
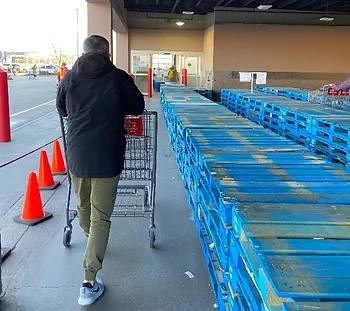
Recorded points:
(137, 186)
(329, 97)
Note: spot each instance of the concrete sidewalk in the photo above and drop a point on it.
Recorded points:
(42, 275)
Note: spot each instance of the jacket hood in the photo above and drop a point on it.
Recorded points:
(92, 65)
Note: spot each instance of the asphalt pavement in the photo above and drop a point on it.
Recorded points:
(34, 123)
(30, 99)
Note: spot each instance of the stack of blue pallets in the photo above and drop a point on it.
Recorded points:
(292, 93)
(157, 82)
(204, 92)
(272, 218)
(322, 129)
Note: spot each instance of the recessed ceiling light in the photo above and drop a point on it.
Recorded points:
(327, 19)
(264, 7)
(180, 23)
(187, 12)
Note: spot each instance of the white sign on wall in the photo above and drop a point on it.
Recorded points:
(261, 77)
(245, 77)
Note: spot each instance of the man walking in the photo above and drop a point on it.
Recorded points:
(95, 97)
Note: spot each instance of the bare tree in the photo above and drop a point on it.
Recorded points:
(57, 53)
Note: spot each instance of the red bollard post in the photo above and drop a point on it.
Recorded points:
(150, 80)
(5, 127)
(184, 77)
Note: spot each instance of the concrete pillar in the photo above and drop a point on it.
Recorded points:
(120, 40)
(100, 20)
(121, 50)
(111, 23)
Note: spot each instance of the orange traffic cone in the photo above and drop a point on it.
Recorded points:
(33, 212)
(58, 167)
(46, 181)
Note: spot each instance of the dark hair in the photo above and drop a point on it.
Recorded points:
(64, 64)
(96, 44)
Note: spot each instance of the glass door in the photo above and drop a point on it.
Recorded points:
(161, 64)
(193, 66)
(140, 65)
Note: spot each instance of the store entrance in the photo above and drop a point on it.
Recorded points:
(160, 63)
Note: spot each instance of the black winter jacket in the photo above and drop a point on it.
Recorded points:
(95, 97)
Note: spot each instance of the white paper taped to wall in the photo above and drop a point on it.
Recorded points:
(261, 77)
(245, 77)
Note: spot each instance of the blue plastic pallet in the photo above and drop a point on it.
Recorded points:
(324, 306)
(157, 85)
(220, 234)
(251, 184)
(305, 123)
(204, 92)
(293, 93)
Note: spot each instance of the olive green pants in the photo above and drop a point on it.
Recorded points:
(96, 199)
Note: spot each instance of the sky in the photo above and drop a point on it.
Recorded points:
(38, 25)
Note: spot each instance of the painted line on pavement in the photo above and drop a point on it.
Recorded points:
(20, 126)
(32, 108)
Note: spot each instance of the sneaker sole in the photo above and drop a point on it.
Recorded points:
(86, 302)
(89, 301)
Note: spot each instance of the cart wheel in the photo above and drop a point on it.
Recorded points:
(152, 239)
(67, 236)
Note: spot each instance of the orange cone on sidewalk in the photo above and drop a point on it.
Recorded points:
(58, 166)
(33, 212)
(45, 179)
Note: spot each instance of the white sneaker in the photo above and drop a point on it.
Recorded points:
(89, 294)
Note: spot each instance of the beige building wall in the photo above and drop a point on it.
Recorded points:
(282, 48)
(166, 40)
(121, 50)
(208, 49)
(99, 20)
(293, 56)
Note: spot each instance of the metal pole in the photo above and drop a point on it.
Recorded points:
(5, 126)
(150, 80)
(184, 77)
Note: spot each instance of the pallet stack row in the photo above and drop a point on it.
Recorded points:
(272, 218)
(157, 82)
(292, 93)
(321, 129)
(204, 92)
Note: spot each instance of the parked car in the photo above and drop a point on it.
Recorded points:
(49, 69)
(23, 68)
(16, 68)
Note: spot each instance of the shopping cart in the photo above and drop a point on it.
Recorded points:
(329, 97)
(137, 185)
